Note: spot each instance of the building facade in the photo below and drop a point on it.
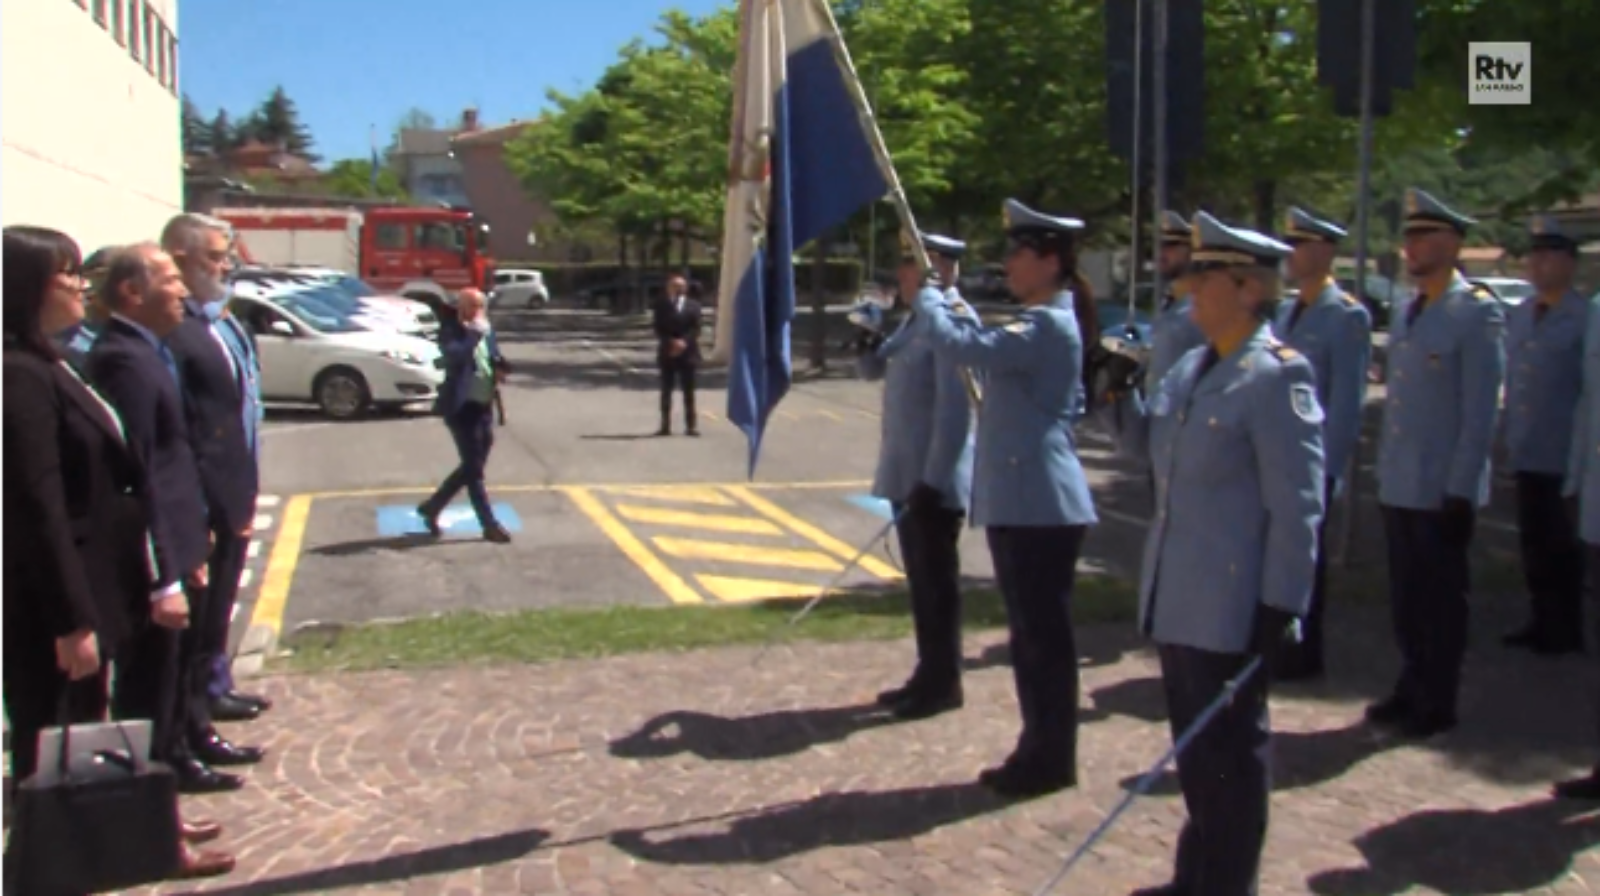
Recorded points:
(91, 138)
(429, 169)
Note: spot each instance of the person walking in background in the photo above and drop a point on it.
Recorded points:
(925, 471)
(676, 321)
(473, 370)
(1544, 380)
(1029, 489)
(216, 391)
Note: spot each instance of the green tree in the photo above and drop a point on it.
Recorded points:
(277, 121)
(353, 177)
(221, 135)
(196, 131)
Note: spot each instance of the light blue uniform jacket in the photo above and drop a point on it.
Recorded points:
(1334, 333)
(1237, 456)
(1026, 470)
(1583, 467)
(1172, 334)
(1544, 379)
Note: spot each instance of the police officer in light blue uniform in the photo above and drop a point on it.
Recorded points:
(1029, 491)
(925, 471)
(75, 341)
(1172, 333)
(1234, 433)
(1544, 377)
(1583, 483)
(1445, 367)
(1334, 332)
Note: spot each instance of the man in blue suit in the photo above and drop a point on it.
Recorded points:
(925, 471)
(473, 371)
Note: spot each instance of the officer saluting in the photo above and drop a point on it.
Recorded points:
(1172, 333)
(1334, 332)
(1445, 367)
(1029, 490)
(1544, 376)
(925, 470)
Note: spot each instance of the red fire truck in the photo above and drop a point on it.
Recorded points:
(417, 252)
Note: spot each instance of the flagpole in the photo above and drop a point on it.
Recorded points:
(897, 193)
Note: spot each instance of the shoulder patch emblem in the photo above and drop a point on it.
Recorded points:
(1303, 399)
(1282, 352)
(1483, 293)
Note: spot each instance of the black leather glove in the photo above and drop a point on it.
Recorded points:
(1459, 517)
(1274, 628)
(923, 498)
(867, 342)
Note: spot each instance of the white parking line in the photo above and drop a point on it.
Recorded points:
(268, 501)
(263, 522)
(303, 427)
(254, 550)
(626, 367)
(244, 582)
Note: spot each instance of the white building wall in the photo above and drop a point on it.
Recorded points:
(90, 134)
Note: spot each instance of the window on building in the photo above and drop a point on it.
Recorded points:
(133, 29)
(161, 53)
(149, 39)
(172, 64)
(100, 12)
(390, 237)
(116, 19)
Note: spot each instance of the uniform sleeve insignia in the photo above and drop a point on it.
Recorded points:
(1303, 399)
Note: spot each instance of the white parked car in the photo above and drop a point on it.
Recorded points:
(426, 321)
(370, 315)
(1508, 290)
(516, 287)
(312, 352)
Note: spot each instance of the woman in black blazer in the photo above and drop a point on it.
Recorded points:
(78, 559)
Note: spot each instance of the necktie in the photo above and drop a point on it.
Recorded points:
(1295, 312)
(1414, 310)
(1209, 361)
(172, 366)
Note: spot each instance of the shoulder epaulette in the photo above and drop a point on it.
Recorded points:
(1349, 299)
(1483, 293)
(1281, 352)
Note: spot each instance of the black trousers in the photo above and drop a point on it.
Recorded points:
(1036, 567)
(1552, 559)
(1225, 772)
(929, 541)
(1428, 583)
(39, 696)
(1306, 655)
(472, 428)
(677, 373)
(155, 682)
(207, 635)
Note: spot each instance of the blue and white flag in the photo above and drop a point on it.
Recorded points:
(804, 156)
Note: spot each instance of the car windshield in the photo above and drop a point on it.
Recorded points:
(351, 286)
(483, 236)
(1512, 290)
(316, 313)
(333, 297)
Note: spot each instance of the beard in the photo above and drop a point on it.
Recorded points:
(207, 288)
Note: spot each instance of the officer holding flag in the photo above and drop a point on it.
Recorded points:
(1029, 490)
(1234, 433)
(925, 471)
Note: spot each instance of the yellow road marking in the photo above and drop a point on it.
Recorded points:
(693, 494)
(788, 415)
(810, 533)
(715, 522)
(273, 596)
(710, 416)
(404, 491)
(731, 552)
(832, 416)
(735, 590)
(676, 589)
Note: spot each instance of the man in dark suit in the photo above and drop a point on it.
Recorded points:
(216, 359)
(133, 367)
(473, 370)
(677, 326)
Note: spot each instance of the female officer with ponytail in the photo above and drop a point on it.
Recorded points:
(1029, 491)
(1234, 433)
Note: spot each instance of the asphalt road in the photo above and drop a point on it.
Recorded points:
(602, 512)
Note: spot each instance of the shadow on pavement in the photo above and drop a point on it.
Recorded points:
(375, 545)
(836, 819)
(1468, 852)
(766, 735)
(479, 853)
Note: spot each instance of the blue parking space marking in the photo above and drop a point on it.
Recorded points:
(457, 520)
(873, 505)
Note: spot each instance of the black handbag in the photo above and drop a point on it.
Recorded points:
(109, 822)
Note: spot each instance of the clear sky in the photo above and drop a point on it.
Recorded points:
(351, 64)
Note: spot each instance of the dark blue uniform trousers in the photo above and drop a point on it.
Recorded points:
(1036, 567)
(930, 538)
(1428, 583)
(472, 427)
(1225, 772)
(206, 639)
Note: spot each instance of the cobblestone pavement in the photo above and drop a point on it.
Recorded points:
(694, 774)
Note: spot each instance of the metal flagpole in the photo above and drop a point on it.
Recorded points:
(1136, 159)
(1158, 107)
(902, 206)
(1363, 217)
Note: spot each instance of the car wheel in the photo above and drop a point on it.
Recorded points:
(342, 393)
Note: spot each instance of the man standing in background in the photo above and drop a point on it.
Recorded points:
(677, 326)
(216, 359)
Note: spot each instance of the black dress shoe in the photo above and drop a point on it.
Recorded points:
(229, 708)
(261, 703)
(1586, 788)
(430, 518)
(1421, 726)
(1526, 636)
(496, 533)
(1163, 890)
(925, 704)
(1294, 671)
(1028, 779)
(896, 695)
(214, 749)
(195, 776)
(1393, 711)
